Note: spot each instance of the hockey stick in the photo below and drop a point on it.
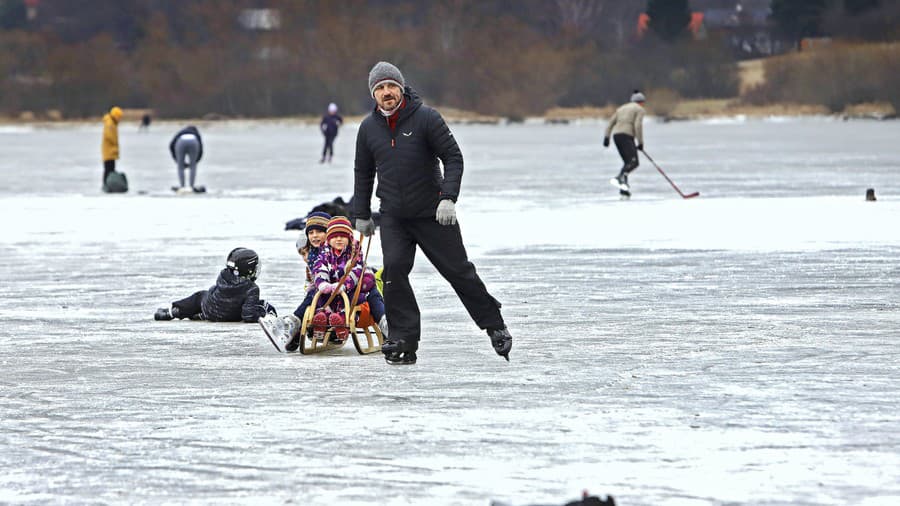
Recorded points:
(688, 196)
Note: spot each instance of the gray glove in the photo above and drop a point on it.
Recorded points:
(367, 227)
(446, 212)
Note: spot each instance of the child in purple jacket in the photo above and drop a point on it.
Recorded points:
(342, 252)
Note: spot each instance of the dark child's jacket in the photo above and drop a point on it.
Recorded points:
(233, 299)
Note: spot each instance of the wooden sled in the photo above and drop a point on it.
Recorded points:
(364, 331)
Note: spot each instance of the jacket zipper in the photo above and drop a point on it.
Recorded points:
(392, 131)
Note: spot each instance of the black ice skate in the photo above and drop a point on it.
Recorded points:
(165, 314)
(395, 353)
(401, 358)
(501, 340)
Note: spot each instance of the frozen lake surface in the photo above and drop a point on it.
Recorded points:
(737, 348)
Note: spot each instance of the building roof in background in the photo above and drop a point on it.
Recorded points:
(734, 17)
(725, 15)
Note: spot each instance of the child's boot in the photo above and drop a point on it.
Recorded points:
(319, 326)
(337, 321)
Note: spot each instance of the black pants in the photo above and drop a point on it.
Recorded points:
(191, 305)
(329, 146)
(443, 246)
(301, 309)
(109, 166)
(628, 151)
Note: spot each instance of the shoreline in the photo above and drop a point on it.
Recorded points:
(686, 110)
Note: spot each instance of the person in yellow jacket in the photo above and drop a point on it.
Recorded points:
(109, 148)
(626, 129)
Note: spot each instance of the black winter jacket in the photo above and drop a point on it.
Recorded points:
(330, 124)
(187, 130)
(232, 299)
(410, 183)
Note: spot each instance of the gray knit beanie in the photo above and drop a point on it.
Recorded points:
(637, 96)
(384, 71)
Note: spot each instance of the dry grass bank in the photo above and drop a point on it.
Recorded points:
(710, 108)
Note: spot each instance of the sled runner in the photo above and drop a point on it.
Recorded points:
(365, 333)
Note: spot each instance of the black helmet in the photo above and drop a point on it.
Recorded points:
(243, 262)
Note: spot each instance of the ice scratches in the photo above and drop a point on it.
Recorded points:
(393, 398)
(65, 452)
(665, 352)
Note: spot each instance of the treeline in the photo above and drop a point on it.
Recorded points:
(841, 76)
(191, 58)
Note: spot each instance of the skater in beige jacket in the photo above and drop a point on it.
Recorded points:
(626, 129)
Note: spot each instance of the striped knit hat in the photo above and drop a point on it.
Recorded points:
(384, 71)
(317, 221)
(338, 226)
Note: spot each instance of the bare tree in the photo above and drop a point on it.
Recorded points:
(580, 17)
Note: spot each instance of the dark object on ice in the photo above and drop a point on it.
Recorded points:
(586, 500)
(592, 500)
(295, 224)
(145, 122)
(870, 195)
(336, 207)
(116, 182)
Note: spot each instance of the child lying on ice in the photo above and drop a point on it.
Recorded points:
(234, 297)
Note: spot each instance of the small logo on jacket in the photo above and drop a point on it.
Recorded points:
(406, 134)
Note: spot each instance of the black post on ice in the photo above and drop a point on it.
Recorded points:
(870, 195)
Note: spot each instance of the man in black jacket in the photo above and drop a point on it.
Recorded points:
(402, 142)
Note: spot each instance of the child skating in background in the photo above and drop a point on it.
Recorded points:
(234, 297)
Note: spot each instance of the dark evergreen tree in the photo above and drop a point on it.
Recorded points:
(854, 7)
(12, 14)
(797, 19)
(669, 18)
